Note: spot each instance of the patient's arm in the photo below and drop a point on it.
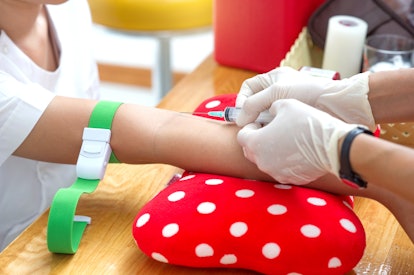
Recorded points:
(149, 135)
(141, 135)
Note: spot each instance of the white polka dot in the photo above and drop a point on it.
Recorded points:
(176, 196)
(294, 273)
(334, 262)
(228, 259)
(317, 201)
(159, 257)
(143, 220)
(170, 230)
(206, 208)
(271, 250)
(283, 186)
(187, 177)
(213, 103)
(214, 181)
(277, 209)
(310, 231)
(348, 225)
(244, 193)
(238, 229)
(204, 250)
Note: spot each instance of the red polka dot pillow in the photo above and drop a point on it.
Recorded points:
(205, 220)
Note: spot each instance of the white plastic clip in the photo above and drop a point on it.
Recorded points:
(79, 218)
(94, 154)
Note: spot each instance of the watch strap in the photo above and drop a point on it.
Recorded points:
(346, 173)
(65, 229)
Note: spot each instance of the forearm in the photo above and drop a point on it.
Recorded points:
(189, 142)
(384, 164)
(141, 135)
(391, 96)
(148, 135)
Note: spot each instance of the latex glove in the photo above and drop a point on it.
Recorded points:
(346, 99)
(298, 146)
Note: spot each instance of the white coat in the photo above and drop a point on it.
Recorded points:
(26, 186)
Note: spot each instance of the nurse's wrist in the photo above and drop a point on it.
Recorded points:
(347, 172)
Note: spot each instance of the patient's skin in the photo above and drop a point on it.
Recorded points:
(150, 135)
(141, 135)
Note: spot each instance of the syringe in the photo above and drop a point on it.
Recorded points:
(230, 114)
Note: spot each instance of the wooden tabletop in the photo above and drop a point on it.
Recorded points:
(107, 246)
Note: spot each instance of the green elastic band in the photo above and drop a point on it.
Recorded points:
(102, 117)
(64, 230)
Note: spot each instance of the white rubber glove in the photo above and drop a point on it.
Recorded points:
(346, 99)
(298, 146)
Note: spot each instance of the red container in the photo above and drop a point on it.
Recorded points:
(257, 34)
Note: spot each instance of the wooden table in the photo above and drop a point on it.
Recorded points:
(108, 247)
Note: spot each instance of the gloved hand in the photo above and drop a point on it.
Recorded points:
(298, 146)
(346, 99)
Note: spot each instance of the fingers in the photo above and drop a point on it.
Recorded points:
(260, 82)
(243, 94)
(290, 105)
(250, 87)
(244, 138)
(254, 105)
(246, 132)
(258, 93)
(273, 110)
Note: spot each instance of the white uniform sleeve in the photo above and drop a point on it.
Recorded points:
(21, 106)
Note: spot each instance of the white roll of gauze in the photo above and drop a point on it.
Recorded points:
(344, 45)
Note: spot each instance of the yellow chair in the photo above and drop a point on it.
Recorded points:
(161, 19)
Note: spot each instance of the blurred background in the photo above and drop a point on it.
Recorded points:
(134, 57)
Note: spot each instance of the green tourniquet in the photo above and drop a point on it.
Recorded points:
(63, 232)
(102, 117)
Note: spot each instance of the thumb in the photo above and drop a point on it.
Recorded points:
(241, 97)
(254, 105)
(279, 105)
(244, 137)
(246, 133)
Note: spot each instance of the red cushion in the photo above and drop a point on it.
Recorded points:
(205, 220)
(216, 103)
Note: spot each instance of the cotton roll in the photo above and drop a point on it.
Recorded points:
(344, 45)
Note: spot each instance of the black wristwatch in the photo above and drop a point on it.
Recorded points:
(346, 173)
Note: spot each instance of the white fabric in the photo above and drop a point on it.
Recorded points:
(346, 99)
(26, 186)
(298, 146)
